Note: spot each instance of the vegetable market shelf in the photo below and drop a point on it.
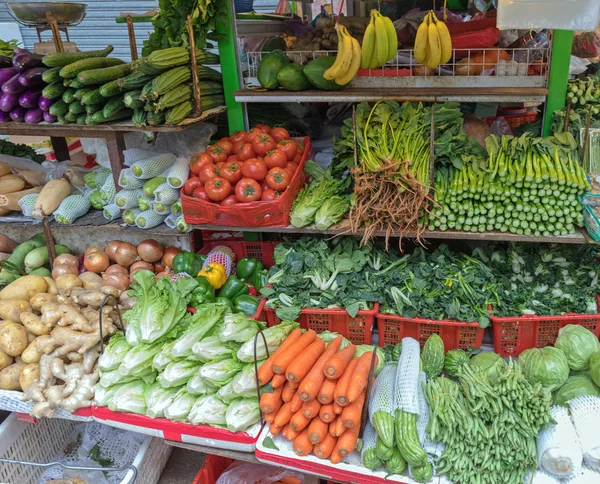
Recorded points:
(488, 94)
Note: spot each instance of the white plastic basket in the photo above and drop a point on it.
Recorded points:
(11, 401)
(40, 443)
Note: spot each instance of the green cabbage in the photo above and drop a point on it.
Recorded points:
(239, 328)
(595, 367)
(242, 413)
(575, 386)
(205, 318)
(212, 348)
(198, 386)
(114, 353)
(218, 373)
(178, 373)
(180, 408)
(362, 349)
(490, 364)
(579, 344)
(548, 366)
(130, 397)
(158, 399)
(208, 410)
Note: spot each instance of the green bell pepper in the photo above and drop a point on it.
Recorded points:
(246, 268)
(260, 279)
(246, 304)
(187, 262)
(232, 288)
(204, 293)
(224, 301)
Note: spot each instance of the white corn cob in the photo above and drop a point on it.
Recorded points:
(182, 225)
(130, 215)
(128, 198)
(161, 208)
(166, 194)
(27, 202)
(176, 207)
(144, 202)
(151, 167)
(108, 190)
(171, 221)
(97, 177)
(127, 180)
(71, 208)
(178, 173)
(111, 211)
(149, 219)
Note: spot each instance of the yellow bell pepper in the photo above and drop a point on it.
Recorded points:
(215, 273)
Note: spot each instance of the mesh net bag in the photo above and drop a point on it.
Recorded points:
(27, 202)
(559, 452)
(381, 403)
(166, 194)
(222, 255)
(128, 198)
(171, 220)
(369, 460)
(135, 154)
(407, 377)
(585, 412)
(128, 181)
(111, 211)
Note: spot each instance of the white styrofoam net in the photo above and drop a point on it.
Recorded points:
(128, 181)
(585, 476)
(382, 391)
(132, 155)
(585, 412)
(407, 377)
(559, 452)
(369, 438)
(540, 477)
(433, 450)
(118, 447)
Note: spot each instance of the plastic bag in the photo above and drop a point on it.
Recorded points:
(500, 127)
(187, 142)
(245, 473)
(587, 44)
(35, 174)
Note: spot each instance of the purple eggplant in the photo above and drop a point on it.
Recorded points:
(49, 118)
(34, 116)
(12, 86)
(18, 51)
(4, 117)
(5, 61)
(22, 62)
(44, 103)
(30, 98)
(8, 102)
(6, 74)
(18, 114)
(32, 77)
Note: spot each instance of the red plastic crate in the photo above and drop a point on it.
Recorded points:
(514, 120)
(515, 334)
(260, 314)
(262, 251)
(211, 470)
(358, 329)
(454, 334)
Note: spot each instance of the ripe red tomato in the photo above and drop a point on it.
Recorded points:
(191, 185)
(264, 128)
(198, 160)
(255, 169)
(268, 195)
(300, 147)
(248, 190)
(264, 186)
(262, 144)
(289, 147)
(280, 134)
(229, 201)
(237, 136)
(232, 172)
(225, 145)
(232, 159)
(217, 153)
(275, 158)
(237, 146)
(245, 152)
(200, 192)
(217, 189)
(250, 135)
(291, 166)
(278, 179)
(208, 172)
(219, 166)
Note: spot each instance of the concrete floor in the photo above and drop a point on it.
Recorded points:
(182, 467)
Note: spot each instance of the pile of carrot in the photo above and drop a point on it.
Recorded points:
(316, 394)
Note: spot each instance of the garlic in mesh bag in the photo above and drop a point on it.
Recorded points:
(369, 459)
(381, 404)
(559, 452)
(585, 412)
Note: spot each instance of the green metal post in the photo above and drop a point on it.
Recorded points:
(229, 67)
(562, 44)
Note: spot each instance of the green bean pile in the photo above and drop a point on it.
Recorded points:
(488, 429)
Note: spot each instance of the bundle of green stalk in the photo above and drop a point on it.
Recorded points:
(582, 92)
(529, 186)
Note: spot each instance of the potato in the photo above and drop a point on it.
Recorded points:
(13, 339)
(29, 374)
(9, 377)
(11, 309)
(30, 336)
(5, 360)
(52, 289)
(40, 299)
(31, 354)
(64, 282)
(24, 288)
(91, 281)
(33, 323)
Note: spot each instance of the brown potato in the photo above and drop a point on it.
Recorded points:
(9, 377)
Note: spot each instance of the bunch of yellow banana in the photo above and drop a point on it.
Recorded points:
(347, 60)
(380, 42)
(433, 45)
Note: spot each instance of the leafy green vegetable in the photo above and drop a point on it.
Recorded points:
(275, 335)
(595, 367)
(489, 364)
(548, 366)
(242, 413)
(201, 322)
(239, 328)
(177, 373)
(158, 399)
(114, 353)
(7, 47)
(219, 373)
(578, 344)
(22, 151)
(208, 410)
(575, 386)
(332, 211)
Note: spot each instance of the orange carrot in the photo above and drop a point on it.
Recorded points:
(353, 412)
(337, 364)
(296, 402)
(326, 413)
(332, 426)
(269, 417)
(270, 401)
(265, 372)
(283, 415)
(290, 480)
(324, 448)
(283, 359)
(335, 457)
(299, 422)
(358, 381)
(302, 445)
(288, 392)
(340, 428)
(289, 433)
(312, 383)
(317, 430)
(278, 381)
(304, 361)
(274, 429)
(311, 409)
(341, 387)
(325, 395)
(337, 408)
(347, 442)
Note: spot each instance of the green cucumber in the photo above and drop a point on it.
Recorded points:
(93, 97)
(41, 271)
(76, 107)
(70, 117)
(151, 185)
(61, 59)
(92, 108)
(54, 90)
(132, 100)
(81, 119)
(39, 257)
(75, 84)
(98, 117)
(104, 75)
(72, 70)
(14, 266)
(59, 108)
(69, 95)
(80, 92)
(51, 75)
(113, 106)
